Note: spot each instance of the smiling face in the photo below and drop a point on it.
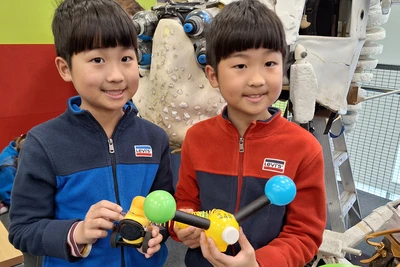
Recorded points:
(250, 81)
(105, 78)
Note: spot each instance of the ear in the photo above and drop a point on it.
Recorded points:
(212, 76)
(63, 69)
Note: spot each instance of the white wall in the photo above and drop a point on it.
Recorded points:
(391, 48)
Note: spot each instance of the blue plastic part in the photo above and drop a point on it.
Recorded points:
(188, 27)
(146, 59)
(202, 59)
(280, 190)
(145, 37)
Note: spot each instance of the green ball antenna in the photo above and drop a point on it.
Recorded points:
(159, 206)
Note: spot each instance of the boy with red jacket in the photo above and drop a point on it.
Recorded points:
(226, 160)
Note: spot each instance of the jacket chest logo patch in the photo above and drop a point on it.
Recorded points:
(143, 151)
(274, 165)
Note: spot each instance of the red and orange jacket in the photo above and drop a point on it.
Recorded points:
(220, 169)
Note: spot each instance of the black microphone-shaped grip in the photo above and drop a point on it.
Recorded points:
(280, 190)
(191, 219)
(252, 208)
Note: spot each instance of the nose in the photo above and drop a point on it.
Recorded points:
(256, 78)
(115, 73)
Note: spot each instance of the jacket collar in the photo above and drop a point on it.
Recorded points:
(259, 128)
(75, 102)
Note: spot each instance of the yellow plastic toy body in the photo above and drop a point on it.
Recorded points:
(224, 229)
(201, 213)
(136, 213)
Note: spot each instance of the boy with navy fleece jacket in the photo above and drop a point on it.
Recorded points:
(227, 160)
(79, 171)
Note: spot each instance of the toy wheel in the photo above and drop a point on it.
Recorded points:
(113, 238)
(146, 239)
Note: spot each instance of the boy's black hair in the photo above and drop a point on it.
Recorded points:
(243, 25)
(80, 25)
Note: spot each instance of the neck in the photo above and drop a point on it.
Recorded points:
(242, 121)
(109, 121)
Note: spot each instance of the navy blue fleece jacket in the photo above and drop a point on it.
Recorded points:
(67, 165)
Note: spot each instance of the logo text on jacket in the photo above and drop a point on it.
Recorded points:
(143, 151)
(274, 165)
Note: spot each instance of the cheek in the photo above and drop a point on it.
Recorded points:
(87, 77)
(277, 78)
(133, 78)
(90, 80)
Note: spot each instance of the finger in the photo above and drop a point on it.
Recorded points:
(214, 250)
(193, 244)
(196, 233)
(204, 246)
(156, 238)
(244, 242)
(153, 245)
(218, 258)
(89, 236)
(98, 224)
(152, 250)
(155, 231)
(97, 233)
(108, 205)
(105, 213)
(205, 249)
(184, 234)
(105, 209)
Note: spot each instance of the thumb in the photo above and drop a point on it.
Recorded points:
(243, 241)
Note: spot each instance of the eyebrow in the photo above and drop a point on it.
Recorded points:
(243, 55)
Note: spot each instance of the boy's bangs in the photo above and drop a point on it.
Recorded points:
(245, 38)
(101, 30)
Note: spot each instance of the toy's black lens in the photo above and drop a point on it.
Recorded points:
(131, 231)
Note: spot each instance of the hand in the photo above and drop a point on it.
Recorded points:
(98, 219)
(246, 257)
(154, 243)
(190, 236)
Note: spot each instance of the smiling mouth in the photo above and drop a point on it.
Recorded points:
(253, 96)
(113, 92)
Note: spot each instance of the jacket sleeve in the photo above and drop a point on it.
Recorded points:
(33, 228)
(7, 174)
(163, 179)
(302, 234)
(187, 189)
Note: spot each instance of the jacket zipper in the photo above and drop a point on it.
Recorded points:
(111, 150)
(240, 180)
(240, 172)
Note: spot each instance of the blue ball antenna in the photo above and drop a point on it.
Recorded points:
(280, 190)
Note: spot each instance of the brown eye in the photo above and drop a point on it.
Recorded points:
(270, 64)
(98, 60)
(126, 59)
(240, 66)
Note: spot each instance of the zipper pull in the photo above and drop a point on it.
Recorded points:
(111, 146)
(241, 144)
